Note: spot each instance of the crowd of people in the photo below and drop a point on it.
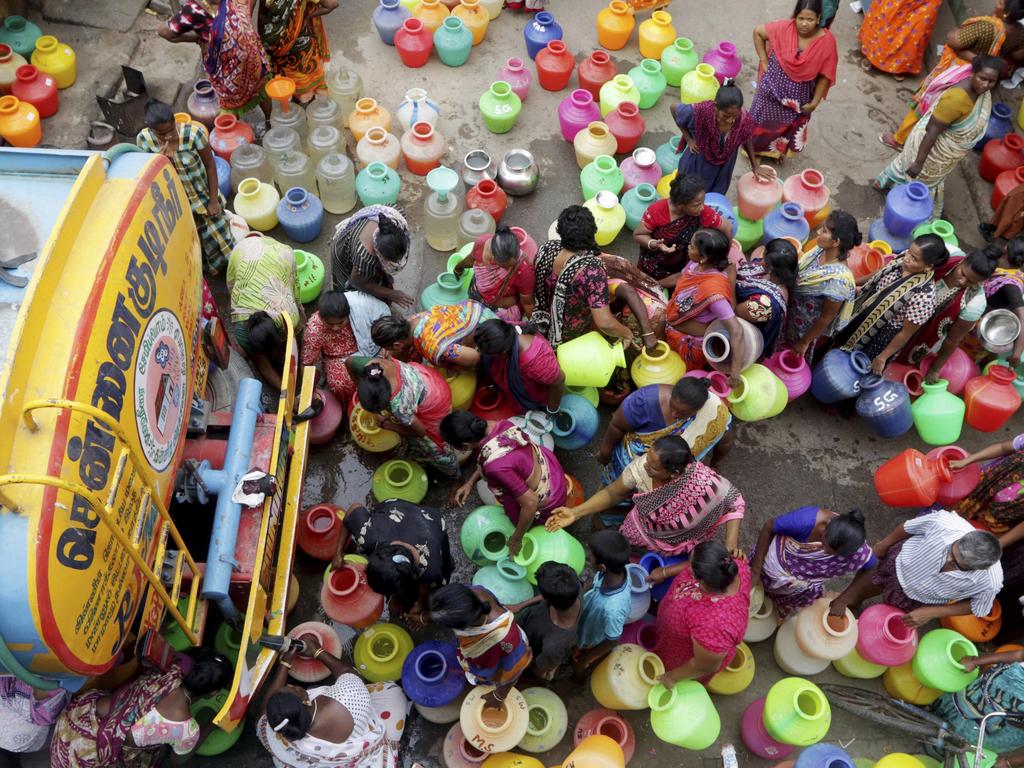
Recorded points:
(660, 491)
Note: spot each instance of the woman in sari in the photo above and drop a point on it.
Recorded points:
(522, 364)
(678, 502)
(797, 67)
(949, 130)
(233, 56)
(368, 249)
(347, 724)
(995, 35)
(133, 726)
(293, 33)
(959, 304)
(895, 303)
(572, 286)
(1005, 290)
(526, 478)
(667, 226)
(442, 335)
(493, 649)
(188, 149)
(999, 688)
(701, 294)
(686, 409)
(798, 552)
(825, 286)
(703, 616)
(503, 276)
(895, 34)
(713, 133)
(411, 400)
(764, 285)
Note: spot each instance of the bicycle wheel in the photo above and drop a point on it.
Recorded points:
(881, 710)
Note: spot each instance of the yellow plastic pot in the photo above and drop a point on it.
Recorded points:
(796, 712)
(899, 760)
(625, 678)
(856, 666)
(489, 729)
(663, 366)
(595, 751)
(462, 383)
(380, 652)
(901, 683)
(589, 360)
(511, 760)
(737, 676)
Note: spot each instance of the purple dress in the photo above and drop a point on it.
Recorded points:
(781, 123)
(716, 177)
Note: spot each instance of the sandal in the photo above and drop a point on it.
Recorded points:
(886, 140)
(866, 65)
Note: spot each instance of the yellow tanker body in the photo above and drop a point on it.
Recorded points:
(103, 368)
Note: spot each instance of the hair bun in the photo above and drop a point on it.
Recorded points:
(856, 515)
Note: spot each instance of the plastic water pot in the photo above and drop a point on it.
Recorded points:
(347, 598)
(311, 670)
(663, 366)
(901, 683)
(639, 590)
(604, 722)
(643, 633)
(796, 712)
(506, 580)
(542, 546)
(883, 638)
(962, 482)
(494, 730)
(856, 666)
(980, 630)
(431, 674)
(937, 660)
(484, 534)
(790, 656)
(837, 377)
(885, 406)
(824, 756)
(624, 679)
(911, 479)
(991, 399)
(821, 635)
(756, 737)
(380, 652)
(319, 530)
(652, 560)
(792, 370)
(589, 360)
(938, 414)
(761, 623)
(958, 370)
(547, 720)
(684, 716)
(737, 675)
(595, 751)
(907, 206)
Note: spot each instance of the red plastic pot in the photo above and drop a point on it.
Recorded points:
(37, 88)
(596, 70)
(606, 723)
(319, 530)
(414, 43)
(906, 375)
(312, 670)
(626, 126)
(1001, 155)
(864, 260)
(991, 399)
(1005, 183)
(492, 404)
(229, 133)
(488, 196)
(347, 598)
(554, 66)
(962, 482)
(911, 479)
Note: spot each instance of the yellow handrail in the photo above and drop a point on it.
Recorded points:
(104, 513)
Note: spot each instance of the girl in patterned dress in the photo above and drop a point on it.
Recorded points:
(329, 340)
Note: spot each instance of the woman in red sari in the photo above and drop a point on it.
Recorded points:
(233, 56)
(702, 618)
(503, 276)
(522, 363)
(702, 293)
(798, 66)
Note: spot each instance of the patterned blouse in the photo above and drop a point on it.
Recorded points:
(589, 291)
(187, 161)
(350, 255)
(397, 520)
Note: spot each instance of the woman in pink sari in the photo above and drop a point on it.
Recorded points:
(522, 363)
(525, 477)
(677, 502)
(411, 399)
(503, 276)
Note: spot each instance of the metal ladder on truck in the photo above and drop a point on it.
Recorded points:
(131, 480)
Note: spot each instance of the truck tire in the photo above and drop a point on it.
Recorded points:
(221, 384)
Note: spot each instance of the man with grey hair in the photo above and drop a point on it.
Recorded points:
(932, 566)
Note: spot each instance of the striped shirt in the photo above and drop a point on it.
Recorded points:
(920, 562)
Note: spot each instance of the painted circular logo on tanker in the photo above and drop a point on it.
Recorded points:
(160, 388)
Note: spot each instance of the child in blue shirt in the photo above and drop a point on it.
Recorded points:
(606, 605)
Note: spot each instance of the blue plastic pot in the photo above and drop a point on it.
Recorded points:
(653, 560)
(837, 377)
(722, 204)
(1000, 123)
(301, 215)
(878, 231)
(576, 422)
(223, 176)
(388, 17)
(906, 207)
(431, 675)
(786, 221)
(540, 31)
(824, 756)
(885, 406)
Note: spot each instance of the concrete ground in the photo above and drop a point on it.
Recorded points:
(805, 456)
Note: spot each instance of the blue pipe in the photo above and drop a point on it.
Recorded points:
(220, 560)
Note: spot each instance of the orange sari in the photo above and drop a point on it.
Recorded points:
(692, 298)
(895, 34)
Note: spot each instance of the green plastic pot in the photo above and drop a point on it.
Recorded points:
(856, 666)
(484, 534)
(455, 258)
(796, 712)
(218, 742)
(500, 107)
(542, 546)
(678, 59)
(936, 662)
(506, 580)
(938, 414)
(601, 174)
(650, 81)
(380, 652)
(173, 633)
(228, 642)
(748, 233)
(446, 289)
(939, 227)
(547, 720)
(400, 479)
(311, 275)
(685, 715)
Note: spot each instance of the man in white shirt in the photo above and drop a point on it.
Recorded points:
(932, 566)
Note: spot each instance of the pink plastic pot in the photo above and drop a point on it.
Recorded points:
(958, 370)
(323, 427)
(719, 381)
(964, 480)
(756, 737)
(792, 369)
(883, 638)
(310, 670)
(606, 723)
(907, 375)
(642, 632)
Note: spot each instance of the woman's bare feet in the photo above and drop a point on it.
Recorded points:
(890, 141)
